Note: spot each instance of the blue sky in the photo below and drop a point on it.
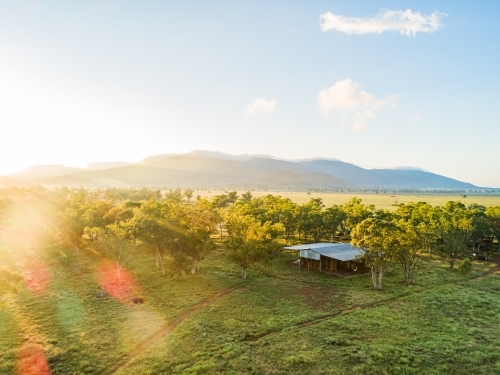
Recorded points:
(122, 80)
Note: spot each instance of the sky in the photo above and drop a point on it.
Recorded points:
(376, 83)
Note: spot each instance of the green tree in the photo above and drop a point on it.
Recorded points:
(454, 228)
(416, 233)
(118, 243)
(250, 242)
(355, 212)
(332, 218)
(188, 193)
(154, 229)
(377, 240)
(493, 220)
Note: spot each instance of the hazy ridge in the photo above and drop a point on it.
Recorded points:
(210, 169)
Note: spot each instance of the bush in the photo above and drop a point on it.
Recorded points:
(465, 266)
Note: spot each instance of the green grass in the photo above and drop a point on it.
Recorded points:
(288, 321)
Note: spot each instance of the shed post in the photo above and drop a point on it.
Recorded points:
(320, 263)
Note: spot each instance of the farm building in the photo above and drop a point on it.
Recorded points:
(329, 257)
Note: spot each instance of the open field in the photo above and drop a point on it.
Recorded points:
(381, 201)
(288, 321)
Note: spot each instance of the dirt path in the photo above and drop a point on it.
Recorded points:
(372, 305)
(155, 338)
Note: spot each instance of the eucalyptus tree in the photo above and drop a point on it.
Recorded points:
(154, 229)
(310, 219)
(355, 212)
(416, 223)
(493, 219)
(118, 241)
(332, 218)
(454, 228)
(480, 226)
(377, 240)
(249, 241)
(188, 193)
(219, 203)
(197, 224)
(174, 195)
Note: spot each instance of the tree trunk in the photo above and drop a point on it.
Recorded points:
(193, 267)
(380, 274)
(452, 262)
(244, 273)
(183, 273)
(162, 266)
(374, 277)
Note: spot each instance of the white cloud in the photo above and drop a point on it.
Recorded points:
(403, 21)
(357, 107)
(261, 106)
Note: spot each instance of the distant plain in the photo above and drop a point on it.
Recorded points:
(381, 200)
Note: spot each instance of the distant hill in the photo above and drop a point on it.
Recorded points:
(209, 169)
(385, 177)
(139, 176)
(301, 180)
(42, 171)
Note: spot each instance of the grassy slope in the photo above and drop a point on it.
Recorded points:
(288, 322)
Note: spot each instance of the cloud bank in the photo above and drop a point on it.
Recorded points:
(405, 22)
(261, 106)
(344, 98)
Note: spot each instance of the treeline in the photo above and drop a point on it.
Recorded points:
(126, 223)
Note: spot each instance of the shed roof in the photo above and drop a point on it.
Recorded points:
(339, 251)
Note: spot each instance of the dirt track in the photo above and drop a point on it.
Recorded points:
(153, 339)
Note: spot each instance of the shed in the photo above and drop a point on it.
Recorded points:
(328, 256)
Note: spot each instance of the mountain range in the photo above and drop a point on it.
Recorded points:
(215, 169)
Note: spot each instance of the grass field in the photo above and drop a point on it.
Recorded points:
(288, 321)
(381, 201)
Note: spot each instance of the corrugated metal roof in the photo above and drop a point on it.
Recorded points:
(339, 251)
(311, 246)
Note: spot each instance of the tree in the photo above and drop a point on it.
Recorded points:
(493, 219)
(310, 219)
(376, 239)
(454, 229)
(416, 233)
(219, 203)
(188, 193)
(118, 242)
(480, 226)
(154, 229)
(355, 213)
(192, 238)
(246, 197)
(174, 195)
(249, 241)
(332, 218)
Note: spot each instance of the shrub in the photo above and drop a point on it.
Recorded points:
(465, 266)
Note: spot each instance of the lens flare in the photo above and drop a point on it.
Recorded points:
(32, 361)
(120, 285)
(36, 276)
